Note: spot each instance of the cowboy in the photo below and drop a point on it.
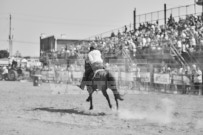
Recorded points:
(94, 62)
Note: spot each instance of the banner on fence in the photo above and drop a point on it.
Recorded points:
(145, 76)
(63, 76)
(44, 75)
(77, 75)
(127, 76)
(130, 76)
(162, 78)
(181, 79)
(115, 74)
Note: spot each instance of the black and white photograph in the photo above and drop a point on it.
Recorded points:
(101, 67)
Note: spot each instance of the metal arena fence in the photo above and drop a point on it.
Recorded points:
(153, 17)
(137, 79)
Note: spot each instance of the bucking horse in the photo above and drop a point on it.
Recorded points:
(102, 79)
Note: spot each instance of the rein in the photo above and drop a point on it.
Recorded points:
(98, 70)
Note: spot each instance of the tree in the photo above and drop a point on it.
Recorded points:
(4, 54)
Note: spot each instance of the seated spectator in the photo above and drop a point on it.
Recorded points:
(5, 73)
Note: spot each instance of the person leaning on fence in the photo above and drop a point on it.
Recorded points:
(94, 62)
(197, 79)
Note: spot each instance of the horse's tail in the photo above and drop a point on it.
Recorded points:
(111, 84)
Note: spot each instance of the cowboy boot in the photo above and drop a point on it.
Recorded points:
(82, 85)
(118, 96)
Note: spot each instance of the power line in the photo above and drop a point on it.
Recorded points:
(39, 16)
(3, 40)
(49, 20)
(3, 18)
(58, 22)
(4, 14)
(50, 17)
(25, 42)
(20, 41)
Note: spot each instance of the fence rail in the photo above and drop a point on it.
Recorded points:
(142, 81)
(176, 12)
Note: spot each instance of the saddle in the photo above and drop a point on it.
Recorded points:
(97, 71)
(97, 67)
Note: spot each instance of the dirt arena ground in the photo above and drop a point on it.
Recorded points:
(62, 110)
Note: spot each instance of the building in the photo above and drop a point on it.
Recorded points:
(52, 43)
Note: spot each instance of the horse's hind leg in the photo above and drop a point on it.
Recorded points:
(107, 97)
(90, 90)
(116, 103)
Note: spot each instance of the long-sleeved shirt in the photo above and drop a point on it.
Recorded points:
(5, 71)
(95, 56)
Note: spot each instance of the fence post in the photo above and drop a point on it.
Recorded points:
(165, 14)
(201, 86)
(182, 81)
(145, 17)
(179, 12)
(195, 6)
(158, 15)
(186, 10)
(151, 75)
(134, 19)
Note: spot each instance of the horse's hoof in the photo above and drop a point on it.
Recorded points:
(120, 98)
(79, 86)
(88, 99)
(91, 108)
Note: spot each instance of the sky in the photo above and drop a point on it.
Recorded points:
(76, 19)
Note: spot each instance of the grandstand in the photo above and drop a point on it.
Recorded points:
(174, 48)
(161, 53)
(155, 42)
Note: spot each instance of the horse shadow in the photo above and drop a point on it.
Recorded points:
(69, 111)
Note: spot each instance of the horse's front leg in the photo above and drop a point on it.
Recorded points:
(90, 99)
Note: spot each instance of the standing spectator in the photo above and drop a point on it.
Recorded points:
(188, 71)
(188, 79)
(125, 29)
(197, 79)
(144, 41)
(132, 46)
(119, 34)
(14, 63)
(201, 42)
(181, 71)
(179, 45)
(138, 77)
(193, 42)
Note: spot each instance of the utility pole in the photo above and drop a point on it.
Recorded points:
(165, 14)
(134, 19)
(10, 38)
(200, 3)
